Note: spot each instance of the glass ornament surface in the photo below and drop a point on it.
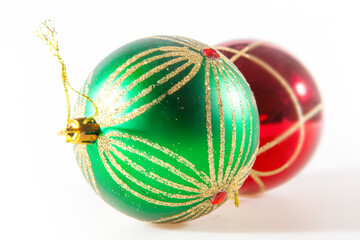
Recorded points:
(178, 125)
(290, 111)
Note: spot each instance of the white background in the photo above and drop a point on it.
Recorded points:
(43, 194)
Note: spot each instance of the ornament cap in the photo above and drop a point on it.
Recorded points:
(81, 131)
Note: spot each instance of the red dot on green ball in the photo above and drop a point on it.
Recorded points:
(211, 53)
(218, 198)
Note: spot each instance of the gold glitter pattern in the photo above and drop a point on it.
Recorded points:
(233, 125)
(208, 123)
(222, 124)
(106, 146)
(108, 114)
(227, 173)
(251, 127)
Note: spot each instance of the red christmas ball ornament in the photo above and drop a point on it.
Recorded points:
(290, 111)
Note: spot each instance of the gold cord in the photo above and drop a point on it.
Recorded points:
(47, 33)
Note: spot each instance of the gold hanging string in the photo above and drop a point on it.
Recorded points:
(47, 33)
(80, 130)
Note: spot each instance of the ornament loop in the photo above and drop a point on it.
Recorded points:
(77, 130)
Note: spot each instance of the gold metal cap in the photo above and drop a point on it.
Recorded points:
(81, 131)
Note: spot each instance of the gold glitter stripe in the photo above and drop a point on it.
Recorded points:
(137, 112)
(222, 125)
(251, 123)
(195, 214)
(172, 154)
(164, 164)
(233, 79)
(186, 79)
(136, 181)
(117, 71)
(178, 58)
(149, 89)
(121, 68)
(181, 54)
(209, 209)
(208, 123)
(233, 119)
(190, 216)
(158, 162)
(126, 187)
(242, 174)
(106, 115)
(167, 52)
(107, 91)
(137, 194)
(247, 168)
(170, 219)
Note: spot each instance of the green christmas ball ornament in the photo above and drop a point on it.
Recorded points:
(175, 132)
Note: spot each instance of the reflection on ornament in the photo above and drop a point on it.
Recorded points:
(300, 89)
(289, 108)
